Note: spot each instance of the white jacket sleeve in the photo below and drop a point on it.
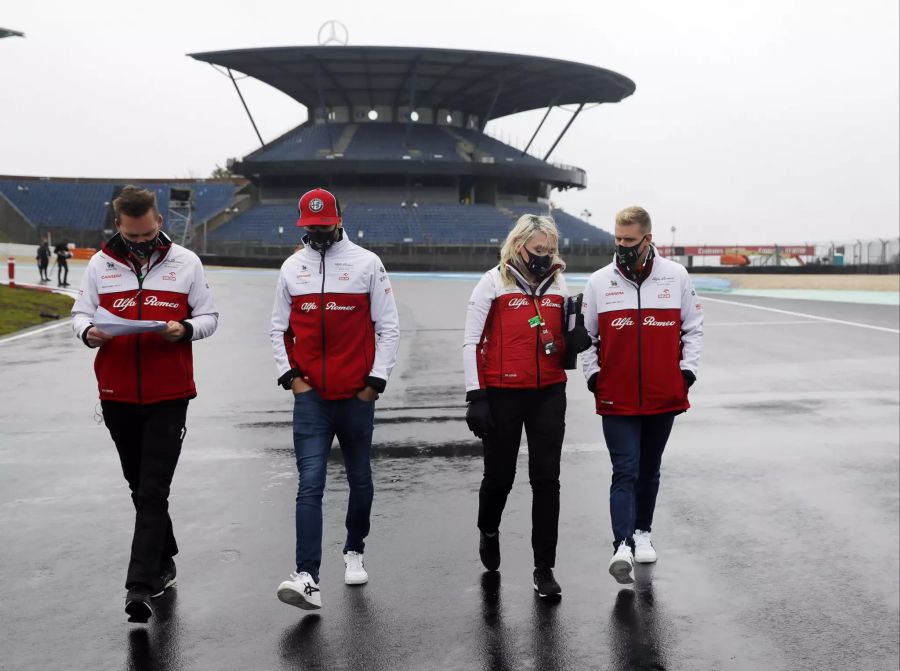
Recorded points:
(589, 358)
(204, 319)
(691, 326)
(386, 321)
(281, 324)
(87, 303)
(476, 315)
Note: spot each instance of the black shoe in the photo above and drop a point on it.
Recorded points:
(137, 604)
(167, 577)
(545, 584)
(489, 551)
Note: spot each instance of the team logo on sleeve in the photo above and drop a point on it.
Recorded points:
(316, 205)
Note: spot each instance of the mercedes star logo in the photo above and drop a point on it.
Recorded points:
(333, 32)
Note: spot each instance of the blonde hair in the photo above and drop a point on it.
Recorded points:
(635, 215)
(526, 226)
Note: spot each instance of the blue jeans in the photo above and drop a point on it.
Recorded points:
(635, 444)
(316, 423)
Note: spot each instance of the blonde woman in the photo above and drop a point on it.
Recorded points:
(514, 356)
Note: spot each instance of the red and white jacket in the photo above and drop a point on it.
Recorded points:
(145, 368)
(643, 337)
(501, 349)
(335, 320)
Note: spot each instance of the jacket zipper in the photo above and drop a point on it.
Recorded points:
(639, 357)
(537, 345)
(140, 303)
(322, 311)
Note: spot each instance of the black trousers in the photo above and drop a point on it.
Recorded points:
(62, 265)
(148, 439)
(542, 412)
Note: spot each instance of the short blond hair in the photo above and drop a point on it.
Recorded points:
(635, 215)
(526, 226)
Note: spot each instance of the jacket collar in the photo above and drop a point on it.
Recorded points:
(115, 248)
(525, 285)
(645, 271)
(336, 249)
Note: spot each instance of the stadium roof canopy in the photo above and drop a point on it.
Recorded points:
(487, 84)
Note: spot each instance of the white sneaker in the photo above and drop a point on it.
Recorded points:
(644, 553)
(621, 564)
(355, 569)
(300, 591)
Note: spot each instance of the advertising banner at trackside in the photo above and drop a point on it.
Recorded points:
(790, 250)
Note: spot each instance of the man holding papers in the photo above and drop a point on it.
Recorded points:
(152, 297)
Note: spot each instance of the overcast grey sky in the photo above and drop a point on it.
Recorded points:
(773, 121)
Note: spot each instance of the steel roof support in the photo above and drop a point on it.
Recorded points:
(246, 109)
(564, 130)
(490, 109)
(537, 130)
(412, 103)
(324, 105)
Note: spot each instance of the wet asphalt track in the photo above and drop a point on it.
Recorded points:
(777, 523)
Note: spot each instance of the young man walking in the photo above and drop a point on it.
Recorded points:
(335, 336)
(146, 379)
(646, 321)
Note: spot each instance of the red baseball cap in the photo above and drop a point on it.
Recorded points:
(318, 208)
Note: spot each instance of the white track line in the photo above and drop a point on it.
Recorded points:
(36, 331)
(783, 322)
(802, 314)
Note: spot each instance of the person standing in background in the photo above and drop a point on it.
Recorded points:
(43, 260)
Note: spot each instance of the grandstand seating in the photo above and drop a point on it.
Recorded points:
(576, 230)
(301, 144)
(386, 141)
(382, 223)
(498, 150)
(209, 198)
(84, 205)
(49, 204)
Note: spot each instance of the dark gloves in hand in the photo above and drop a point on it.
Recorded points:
(478, 417)
(689, 377)
(578, 340)
(288, 378)
(592, 383)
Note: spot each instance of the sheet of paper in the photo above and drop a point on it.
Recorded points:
(109, 323)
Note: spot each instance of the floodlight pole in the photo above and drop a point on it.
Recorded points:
(246, 109)
(564, 130)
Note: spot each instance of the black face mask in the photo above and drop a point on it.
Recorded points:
(142, 249)
(322, 240)
(629, 256)
(538, 265)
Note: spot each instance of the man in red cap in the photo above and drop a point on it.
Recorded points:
(335, 336)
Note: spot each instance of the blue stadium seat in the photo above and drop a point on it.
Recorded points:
(50, 204)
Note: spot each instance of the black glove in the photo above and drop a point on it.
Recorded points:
(592, 383)
(577, 340)
(478, 417)
(288, 378)
(689, 377)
